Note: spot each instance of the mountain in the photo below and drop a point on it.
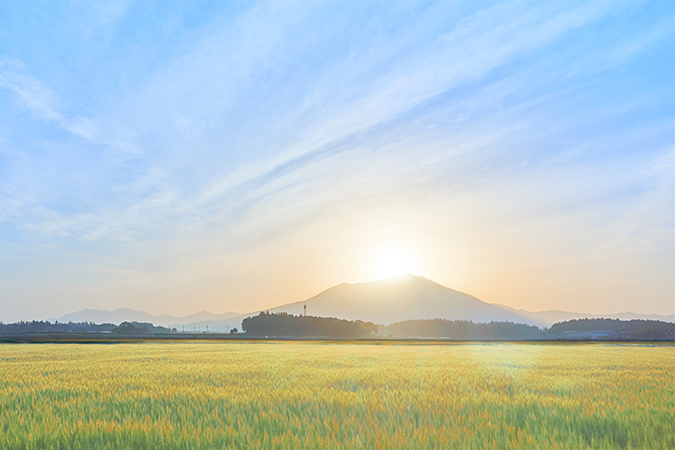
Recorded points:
(395, 299)
(410, 297)
(131, 315)
(403, 297)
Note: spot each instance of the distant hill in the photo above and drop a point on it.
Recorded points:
(409, 297)
(131, 315)
(396, 299)
(399, 298)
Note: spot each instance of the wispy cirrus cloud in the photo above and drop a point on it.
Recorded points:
(532, 124)
(30, 93)
(350, 98)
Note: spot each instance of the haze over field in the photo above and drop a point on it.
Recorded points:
(237, 156)
(394, 299)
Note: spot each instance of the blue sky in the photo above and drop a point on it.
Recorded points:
(175, 157)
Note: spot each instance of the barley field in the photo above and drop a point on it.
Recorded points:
(337, 395)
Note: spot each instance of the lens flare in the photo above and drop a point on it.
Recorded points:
(393, 259)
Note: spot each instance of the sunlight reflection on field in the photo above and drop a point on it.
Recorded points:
(337, 395)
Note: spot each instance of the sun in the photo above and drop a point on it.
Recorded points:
(394, 258)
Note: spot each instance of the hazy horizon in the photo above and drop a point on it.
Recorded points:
(204, 156)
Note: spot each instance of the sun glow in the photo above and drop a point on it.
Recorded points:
(393, 259)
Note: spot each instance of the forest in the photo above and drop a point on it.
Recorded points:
(267, 324)
(42, 326)
(283, 324)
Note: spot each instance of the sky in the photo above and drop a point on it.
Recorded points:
(176, 157)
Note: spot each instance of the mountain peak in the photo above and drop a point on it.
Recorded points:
(396, 298)
(401, 277)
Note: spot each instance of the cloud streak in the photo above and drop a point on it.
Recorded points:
(273, 119)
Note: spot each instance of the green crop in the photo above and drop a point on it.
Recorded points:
(337, 395)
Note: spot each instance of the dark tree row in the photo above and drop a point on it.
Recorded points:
(613, 329)
(283, 324)
(141, 328)
(462, 329)
(591, 329)
(81, 327)
(56, 327)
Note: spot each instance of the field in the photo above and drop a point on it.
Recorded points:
(337, 395)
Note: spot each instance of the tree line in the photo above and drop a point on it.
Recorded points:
(637, 329)
(41, 326)
(462, 329)
(288, 325)
(283, 324)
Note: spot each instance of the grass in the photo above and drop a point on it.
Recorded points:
(337, 395)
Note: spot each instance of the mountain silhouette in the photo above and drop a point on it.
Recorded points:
(131, 315)
(402, 297)
(394, 299)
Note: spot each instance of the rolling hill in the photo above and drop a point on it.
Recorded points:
(403, 297)
(395, 299)
(131, 315)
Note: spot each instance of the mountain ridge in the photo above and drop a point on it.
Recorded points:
(385, 301)
(397, 298)
(120, 315)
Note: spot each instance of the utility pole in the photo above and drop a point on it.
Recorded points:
(305, 309)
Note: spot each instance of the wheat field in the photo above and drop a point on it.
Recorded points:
(337, 395)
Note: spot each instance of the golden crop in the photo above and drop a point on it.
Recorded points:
(337, 395)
